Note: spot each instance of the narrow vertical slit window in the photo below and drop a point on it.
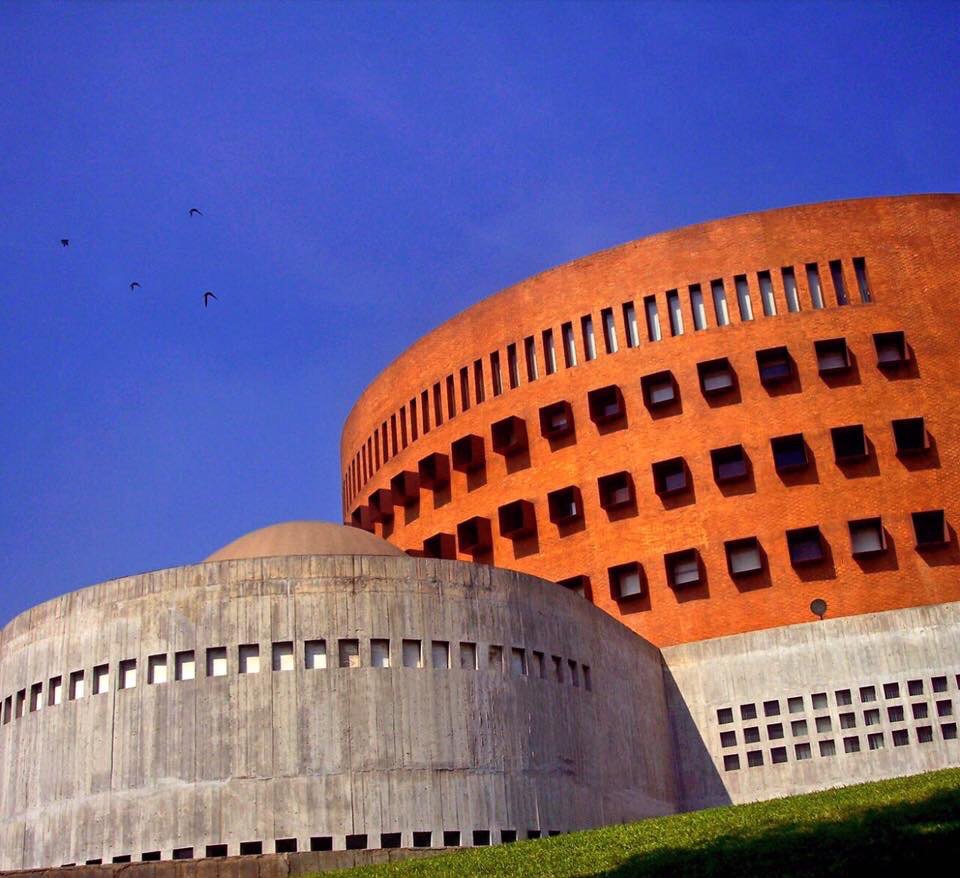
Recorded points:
(549, 352)
(425, 411)
(376, 450)
(414, 422)
(630, 323)
(569, 345)
(813, 282)
(609, 331)
(513, 366)
(530, 356)
(394, 448)
(790, 288)
(839, 287)
(589, 340)
(437, 405)
(743, 297)
(464, 389)
(863, 284)
(674, 312)
(767, 299)
(495, 376)
(403, 426)
(478, 387)
(451, 398)
(697, 308)
(653, 318)
(720, 302)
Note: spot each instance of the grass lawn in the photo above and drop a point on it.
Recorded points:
(865, 829)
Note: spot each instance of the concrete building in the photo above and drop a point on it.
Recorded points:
(669, 527)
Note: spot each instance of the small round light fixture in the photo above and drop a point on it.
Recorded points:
(818, 606)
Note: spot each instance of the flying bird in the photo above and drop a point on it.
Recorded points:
(64, 242)
(207, 296)
(193, 211)
(134, 285)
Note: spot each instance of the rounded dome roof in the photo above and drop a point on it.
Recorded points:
(304, 538)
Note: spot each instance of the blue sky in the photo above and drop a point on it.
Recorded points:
(365, 171)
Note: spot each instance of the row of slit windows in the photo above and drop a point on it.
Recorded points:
(354, 842)
(743, 728)
(518, 661)
(661, 395)
(440, 401)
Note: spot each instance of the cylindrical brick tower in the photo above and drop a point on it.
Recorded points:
(704, 431)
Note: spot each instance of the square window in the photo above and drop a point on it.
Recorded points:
(725, 715)
(467, 453)
(405, 487)
(754, 758)
(798, 728)
(775, 366)
(730, 464)
(795, 704)
(851, 744)
(728, 739)
(828, 748)
(128, 674)
(411, 654)
(422, 839)
(390, 840)
(380, 504)
(867, 537)
(924, 734)
(716, 377)
(556, 420)
(895, 714)
(930, 528)
(891, 690)
(616, 490)
(509, 436)
(771, 708)
(508, 836)
(744, 557)
(100, 679)
(731, 762)
(819, 700)
(495, 658)
(683, 568)
(891, 348)
(184, 666)
(249, 658)
(875, 741)
(442, 546)
(283, 656)
(949, 731)
(379, 652)
(833, 356)
(843, 697)
(778, 755)
(868, 693)
(945, 708)
(871, 717)
(517, 519)
(915, 687)
(910, 436)
(156, 669)
(802, 751)
(824, 724)
(659, 389)
(362, 518)
(670, 476)
(481, 837)
(900, 737)
(848, 720)
(315, 655)
(434, 471)
(349, 653)
(748, 711)
(919, 710)
(475, 535)
(319, 843)
(468, 656)
(626, 580)
(606, 404)
(775, 731)
(577, 584)
(217, 661)
(751, 735)
(789, 452)
(357, 842)
(565, 505)
(805, 545)
(939, 684)
(849, 443)
(451, 838)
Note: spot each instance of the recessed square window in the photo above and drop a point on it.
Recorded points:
(405, 487)
(127, 678)
(805, 545)
(824, 724)
(798, 728)
(670, 476)
(411, 653)
(315, 655)
(795, 704)
(871, 717)
(716, 377)
(440, 545)
(730, 464)
(217, 661)
(748, 711)
(848, 720)
(775, 366)
(379, 652)
(833, 355)
(606, 404)
(789, 452)
(724, 715)
(802, 751)
(895, 713)
(819, 700)
(248, 655)
(556, 420)
(389, 840)
(467, 454)
(731, 762)
(849, 443)
(356, 842)
(474, 535)
(659, 389)
(945, 707)
(578, 584)
(771, 708)
(775, 731)
(517, 519)
(851, 744)
(915, 687)
(891, 690)
(843, 697)
(440, 655)
(900, 737)
(751, 735)
(626, 580)
(924, 734)
(867, 537)
(684, 568)
(434, 471)
(939, 684)
(380, 504)
(422, 839)
(565, 505)
(868, 693)
(910, 436)
(362, 518)
(744, 558)
(451, 838)
(930, 528)
(754, 758)
(892, 350)
(728, 739)
(184, 666)
(348, 652)
(875, 741)
(828, 748)
(509, 436)
(616, 490)
(949, 731)
(778, 755)
(919, 710)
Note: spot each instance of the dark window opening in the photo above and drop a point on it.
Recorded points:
(670, 476)
(891, 349)
(321, 843)
(467, 453)
(507, 836)
(216, 850)
(250, 848)
(569, 345)
(437, 405)
(390, 840)
(789, 452)
(930, 528)
(805, 545)
(616, 490)
(530, 356)
(478, 388)
(626, 580)
(863, 284)
(442, 545)
(183, 853)
(578, 584)
(565, 505)
(849, 443)
(285, 845)
(422, 839)
(683, 568)
(833, 355)
(361, 518)
(451, 838)
(495, 375)
(357, 842)
(609, 331)
(659, 389)
(451, 400)
(425, 410)
(606, 404)
(867, 537)
(481, 837)
(509, 435)
(730, 464)
(549, 352)
(716, 376)
(513, 366)
(517, 519)
(744, 558)
(839, 287)
(434, 471)
(464, 390)
(474, 535)
(910, 436)
(533, 833)
(126, 858)
(775, 366)
(556, 420)
(380, 504)
(405, 487)
(150, 856)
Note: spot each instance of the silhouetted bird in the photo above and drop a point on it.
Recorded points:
(193, 211)
(134, 285)
(64, 242)
(207, 296)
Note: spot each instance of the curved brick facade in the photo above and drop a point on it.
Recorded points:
(908, 251)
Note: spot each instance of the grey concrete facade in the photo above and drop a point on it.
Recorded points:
(488, 741)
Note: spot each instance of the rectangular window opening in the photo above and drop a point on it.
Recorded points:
(156, 669)
(412, 654)
(720, 302)
(653, 318)
(379, 652)
(589, 340)
(813, 283)
(744, 302)
(185, 665)
(348, 652)
(495, 375)
(513, 366)
(464, 390)
(549, 352)
(248, 657)
(697, 307)
(630, 324)
(569, 346)
(440, 655)
(767, 299)
(609, 331)
(100, 679)
(315, 655)
(478, 387)
(282, 659)
(674, 313)
(863, 284)
(468, 656)
(839, 287)
(790, 288)
(530, 356)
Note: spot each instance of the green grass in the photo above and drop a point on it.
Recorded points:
(877, 827)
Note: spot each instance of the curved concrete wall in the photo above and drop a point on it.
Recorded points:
(320, 753)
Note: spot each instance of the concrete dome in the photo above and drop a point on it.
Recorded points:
(304, 538)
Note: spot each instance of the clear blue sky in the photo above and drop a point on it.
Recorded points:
(365, 172)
